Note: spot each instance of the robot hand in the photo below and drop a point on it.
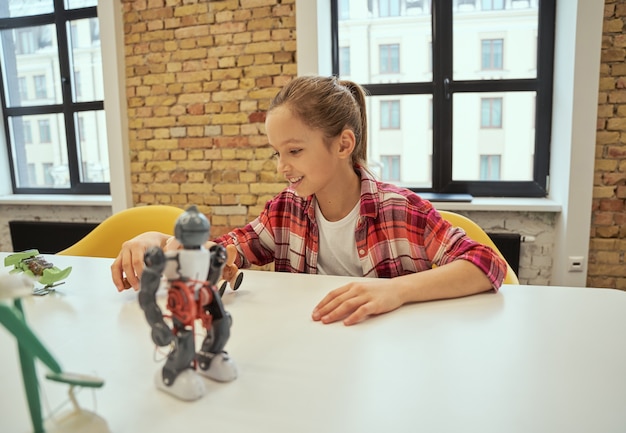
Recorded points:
(231, 273)
(161, 334)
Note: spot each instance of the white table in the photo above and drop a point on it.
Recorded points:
(529, 359)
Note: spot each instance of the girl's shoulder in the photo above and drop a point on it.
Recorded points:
(390, 193)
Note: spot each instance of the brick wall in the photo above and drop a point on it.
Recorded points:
(200, 75)
(608, 232)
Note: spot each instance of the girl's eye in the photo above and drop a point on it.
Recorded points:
(295, 151)
(275, 155)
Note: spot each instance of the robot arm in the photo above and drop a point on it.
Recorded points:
(150, 280)
(217, 262)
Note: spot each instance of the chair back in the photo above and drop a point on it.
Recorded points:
(476, 233)
(107, 238)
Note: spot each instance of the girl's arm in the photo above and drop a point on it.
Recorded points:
(356, 301)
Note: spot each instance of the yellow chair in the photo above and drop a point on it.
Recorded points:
(475, 232)
(107, 238)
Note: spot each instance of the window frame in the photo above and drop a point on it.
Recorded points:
(443, 87)
(60, 17)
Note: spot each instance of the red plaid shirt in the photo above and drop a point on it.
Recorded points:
(397, 233)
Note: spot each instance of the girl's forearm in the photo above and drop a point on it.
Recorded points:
(454, 280)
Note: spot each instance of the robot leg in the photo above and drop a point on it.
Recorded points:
(178, 377)
(213, 361)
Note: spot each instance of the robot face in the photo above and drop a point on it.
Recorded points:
(192, 228)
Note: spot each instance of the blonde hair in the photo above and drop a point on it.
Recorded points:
(329, 105)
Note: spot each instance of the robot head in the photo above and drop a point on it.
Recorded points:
(192, 228)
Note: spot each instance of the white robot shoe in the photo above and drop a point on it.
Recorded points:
(218, 367)
(188, 385)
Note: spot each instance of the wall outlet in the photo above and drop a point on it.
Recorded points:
(575, 263)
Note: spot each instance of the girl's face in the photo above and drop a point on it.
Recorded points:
(302, 157)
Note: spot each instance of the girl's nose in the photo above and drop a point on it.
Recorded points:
(281, 166)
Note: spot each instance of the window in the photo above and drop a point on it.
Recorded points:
(344, 61)
(489, 167)
(28, 132)
(389, 58)
(389, 114)
(23, 88)
(488, 5)
(466, 4)
(51, 76)
(344, 9)
(389, 8)
(479, 106)
(491, 113)
(391, 168)
(44, 131)
(491, 53)
(40, 87)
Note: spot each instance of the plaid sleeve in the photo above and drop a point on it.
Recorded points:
(447, 243)
(254, 241)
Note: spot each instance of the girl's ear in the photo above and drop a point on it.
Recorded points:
(347, 141)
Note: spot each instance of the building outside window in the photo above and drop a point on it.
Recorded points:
(53, 46)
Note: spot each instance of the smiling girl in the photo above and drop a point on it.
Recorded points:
(335, 218)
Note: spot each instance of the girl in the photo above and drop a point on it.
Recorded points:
(335, 218)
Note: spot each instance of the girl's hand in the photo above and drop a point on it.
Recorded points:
(356, 301)
(128, 266)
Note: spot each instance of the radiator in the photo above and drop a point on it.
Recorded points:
(508, 244)
(49, 237)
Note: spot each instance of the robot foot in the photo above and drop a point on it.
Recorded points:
(218, 367)
(187, 386)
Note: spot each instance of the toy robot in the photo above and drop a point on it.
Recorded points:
(191, 274)
(35, 266)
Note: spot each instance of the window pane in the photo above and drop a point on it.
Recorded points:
(390, 114)
(30, 66)
(489, 167)
(390, 168)
(491, 54)
(92, 144)
(39, 151)
(86, 60)
(344, 61)
(480, 39)
(514, 141)
(23, 8)
(344, 9)
(75, 4)
(388, 50)
(411, 141)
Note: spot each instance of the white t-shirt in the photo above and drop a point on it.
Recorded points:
(337, 246)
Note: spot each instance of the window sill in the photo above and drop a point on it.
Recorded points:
(493, 204)
(55, 200)
(502, 204)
